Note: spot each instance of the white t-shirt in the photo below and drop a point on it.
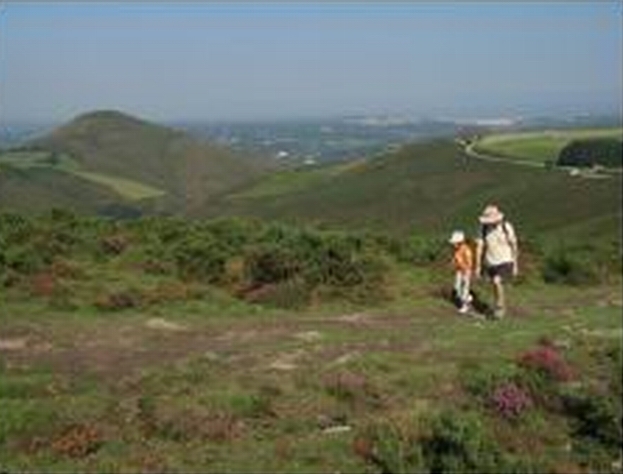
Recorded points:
(499, 244)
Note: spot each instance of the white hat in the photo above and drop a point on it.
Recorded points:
(457, 237)
(491, 215)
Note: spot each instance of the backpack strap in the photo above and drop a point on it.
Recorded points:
(483, 235)
(505, 230)
(504, 225)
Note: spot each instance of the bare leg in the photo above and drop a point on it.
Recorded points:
(500, 301)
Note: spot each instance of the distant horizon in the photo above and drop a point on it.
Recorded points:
(504, 112)
(325, 117)
(262, 61)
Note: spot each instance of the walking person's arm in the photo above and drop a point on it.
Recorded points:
(512, 241)
(515, 248)
(478, 260)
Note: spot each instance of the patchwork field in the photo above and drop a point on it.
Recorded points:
(541, 146)
(125, 188)
(129, 189)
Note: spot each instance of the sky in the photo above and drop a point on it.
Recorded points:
(169, 61)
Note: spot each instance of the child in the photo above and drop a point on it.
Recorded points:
(462, 260)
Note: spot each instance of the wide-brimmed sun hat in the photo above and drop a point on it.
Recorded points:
(491, 215)
(457, 237)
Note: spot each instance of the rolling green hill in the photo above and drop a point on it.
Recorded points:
(238, 345)
(136, 159)
(424, 188)
(433, 187)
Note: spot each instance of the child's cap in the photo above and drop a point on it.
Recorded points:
(457, 237)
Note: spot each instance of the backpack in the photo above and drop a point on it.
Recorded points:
(484, 240)
(504, 228)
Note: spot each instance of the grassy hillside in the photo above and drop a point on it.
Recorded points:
(125, 188)
(433, 188)
(163, 345)
(541, 146)
(31, 190)
(107, 147)
(240, 345)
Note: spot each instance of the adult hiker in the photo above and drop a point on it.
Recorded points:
(496, 253)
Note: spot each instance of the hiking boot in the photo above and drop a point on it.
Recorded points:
(499, 313)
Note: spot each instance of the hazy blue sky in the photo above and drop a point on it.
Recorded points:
(168, 61)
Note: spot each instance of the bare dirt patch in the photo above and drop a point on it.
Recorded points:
(13, 344)
(115, 349)
(164, 325)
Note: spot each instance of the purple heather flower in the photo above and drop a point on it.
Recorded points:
(509, 400)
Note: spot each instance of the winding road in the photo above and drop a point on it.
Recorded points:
(468, 149)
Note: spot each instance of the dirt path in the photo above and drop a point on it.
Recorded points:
(115, 349)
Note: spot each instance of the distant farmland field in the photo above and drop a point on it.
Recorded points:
(126, 188)
(539, 146)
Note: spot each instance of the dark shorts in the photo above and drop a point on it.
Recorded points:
(504, 271)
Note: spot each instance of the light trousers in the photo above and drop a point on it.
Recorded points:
(462, 286)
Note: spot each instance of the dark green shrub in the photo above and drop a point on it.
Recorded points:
(294, 293)
(481, 380)
(459, 442)
(592, 151)
(419, 250)
(119, 300)
(200, 257)
(614, 358)
(344, 261)
(114, 244)
(160, 230)
(340, 266)
(30, 245)
(14, 228)
(23, 259)
(236, 233)
(392, 447)
(565, 267)
(297, 263)
(271, 263)
(330, 264)
(17, 251)
(596, 417)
